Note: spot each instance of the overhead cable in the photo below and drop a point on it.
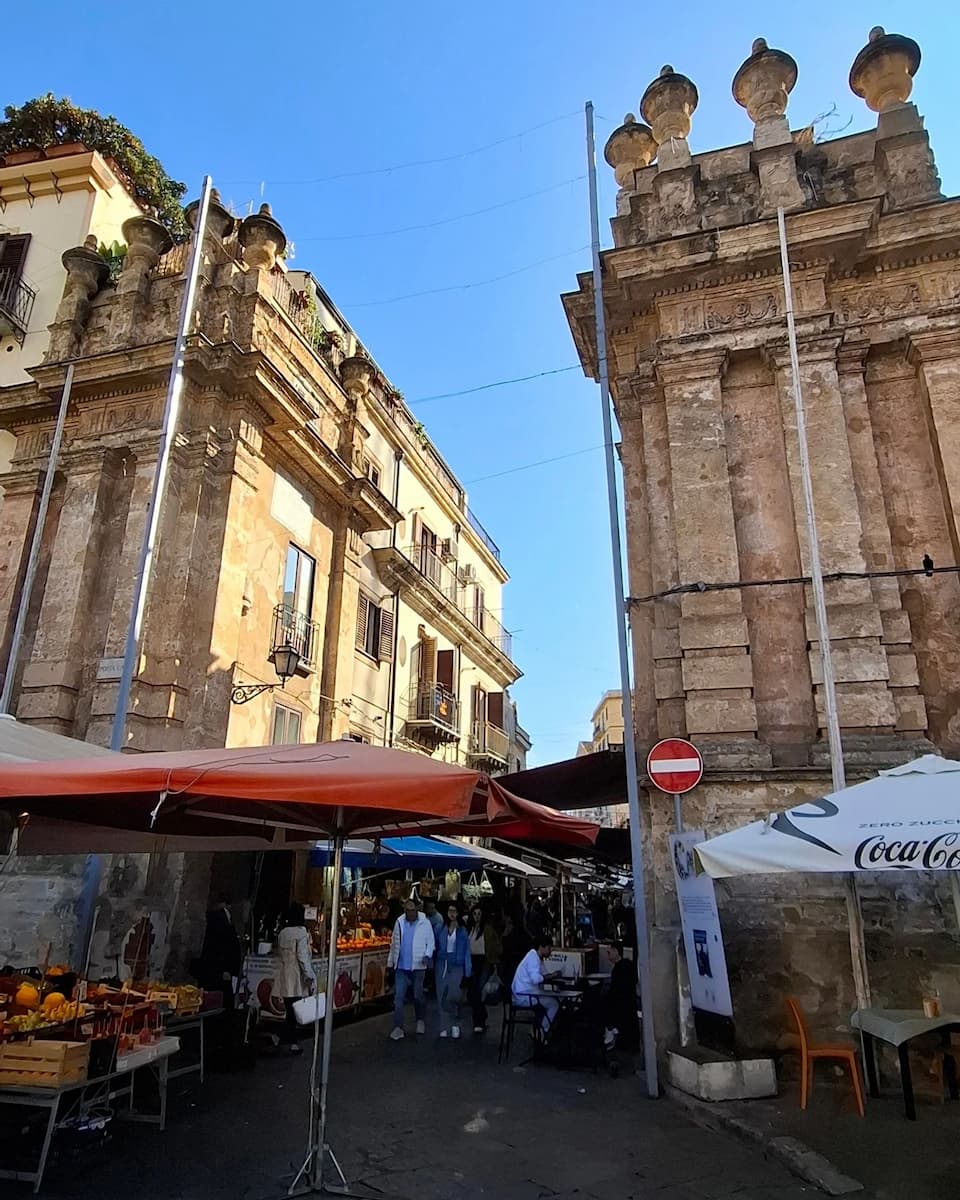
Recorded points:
(485, 387)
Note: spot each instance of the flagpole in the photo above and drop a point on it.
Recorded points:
(858, 954)
(26, 591)
(168, 429)
(629, 731)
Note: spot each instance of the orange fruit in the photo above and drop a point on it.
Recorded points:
(54, 1000)
(27, 995)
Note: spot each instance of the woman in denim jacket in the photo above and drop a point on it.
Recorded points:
(452, 968)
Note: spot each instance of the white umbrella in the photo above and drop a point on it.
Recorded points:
(907, 819)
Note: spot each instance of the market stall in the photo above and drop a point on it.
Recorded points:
(263, 797)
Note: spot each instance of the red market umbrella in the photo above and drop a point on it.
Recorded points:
(273, 797)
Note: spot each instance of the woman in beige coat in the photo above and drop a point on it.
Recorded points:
(297, 977)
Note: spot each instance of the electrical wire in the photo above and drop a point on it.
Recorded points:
(477, 212)
(405, 166)
(681, 589)
(463, 287)
(541, 462)
(485, 387)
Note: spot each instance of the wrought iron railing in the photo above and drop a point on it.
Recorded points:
(327, 343)
(16, 300)
(442, 574)
(491, 629)
(293, 628)
(482, 534)
(433, 702)
(489, 741)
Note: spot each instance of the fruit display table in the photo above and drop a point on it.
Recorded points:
(79, 1097)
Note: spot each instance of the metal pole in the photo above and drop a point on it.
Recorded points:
(629, 733)
(321, 1140)
(26, 592)
(854, 915)
(170, 414)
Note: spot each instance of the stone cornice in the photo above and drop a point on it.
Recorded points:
(689, 363)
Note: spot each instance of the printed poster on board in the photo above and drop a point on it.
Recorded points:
(702, 936)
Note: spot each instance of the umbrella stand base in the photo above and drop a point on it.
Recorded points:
(303, 1185)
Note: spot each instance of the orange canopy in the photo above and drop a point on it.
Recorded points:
(278, 795)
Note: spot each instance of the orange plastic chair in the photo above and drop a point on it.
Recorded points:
(810, 1053)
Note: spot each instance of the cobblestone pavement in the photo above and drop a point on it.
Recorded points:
(424, 1119)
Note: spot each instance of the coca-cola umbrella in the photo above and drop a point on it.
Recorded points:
(272, 797)
(905, 819)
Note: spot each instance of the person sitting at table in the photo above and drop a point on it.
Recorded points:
(529, 980)
(622, 1025)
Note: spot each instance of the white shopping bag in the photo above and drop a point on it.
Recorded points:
(310, 1008)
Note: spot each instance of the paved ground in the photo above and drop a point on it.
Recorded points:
(424, 1120)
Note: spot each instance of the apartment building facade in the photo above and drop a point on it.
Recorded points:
(309, 525)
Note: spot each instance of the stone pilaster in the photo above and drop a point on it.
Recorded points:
(936, 357)
(877, 544)
(339, 630)
(716, 668)
(860, 663)
(51, 681)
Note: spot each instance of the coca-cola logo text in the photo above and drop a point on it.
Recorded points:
(877, 853)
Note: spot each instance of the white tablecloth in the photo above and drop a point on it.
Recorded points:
(898, 1025)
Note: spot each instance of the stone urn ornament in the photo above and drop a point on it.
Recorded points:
(882, 73)
(262, 239)
(630, 148)
(668, 105)
(220, 220)
(764, 82)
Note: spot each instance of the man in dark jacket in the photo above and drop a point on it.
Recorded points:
(222, 955)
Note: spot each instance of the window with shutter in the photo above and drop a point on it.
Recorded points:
(386, 635)
(428, 659)
(363, 606)
(13, 256)
(445, 670)
(495, 709)
(369, 636)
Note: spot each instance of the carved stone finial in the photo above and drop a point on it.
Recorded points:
(630, 148)
(356, 374)
(262, 238)
(90, 242)
(764, 82)
(882, 73)
(219, 220)
(668, 105)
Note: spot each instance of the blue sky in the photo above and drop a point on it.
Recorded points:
(288, 95)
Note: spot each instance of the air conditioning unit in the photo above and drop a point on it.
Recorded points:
(448, 549)
(468, 573)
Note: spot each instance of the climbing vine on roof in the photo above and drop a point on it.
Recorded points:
(47, 121)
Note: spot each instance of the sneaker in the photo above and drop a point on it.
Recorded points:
(397, 1035)
(455, 1032)
(443, 1033)
(609, 1038)
(478, 1029)
(296, 1048)
(421, 1027)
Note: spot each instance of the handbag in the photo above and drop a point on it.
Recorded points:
(309, 1009)
(471, 889)
(486, 887)
(492, 990)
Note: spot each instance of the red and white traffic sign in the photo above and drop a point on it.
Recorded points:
(675, 766)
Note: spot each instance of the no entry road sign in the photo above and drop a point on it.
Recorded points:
(675, 766)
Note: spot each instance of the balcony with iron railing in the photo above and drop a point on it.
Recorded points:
(488, 743)
(294, 629)
(492, 629)
(16, 304)
(434, 713)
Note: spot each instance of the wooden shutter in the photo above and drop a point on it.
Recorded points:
(495, 709)
(386, 635)
(363, 615)
(445, 670)
(428, 659)
(13, 255)
(415, 535)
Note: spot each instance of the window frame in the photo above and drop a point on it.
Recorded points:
(286, 714)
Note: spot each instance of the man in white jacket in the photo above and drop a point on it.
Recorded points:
(411, 952)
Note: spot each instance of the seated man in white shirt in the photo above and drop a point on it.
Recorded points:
(529, 979)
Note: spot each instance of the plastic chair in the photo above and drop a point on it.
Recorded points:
(810, 1053)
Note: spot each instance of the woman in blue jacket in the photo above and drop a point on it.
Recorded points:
(452, 967)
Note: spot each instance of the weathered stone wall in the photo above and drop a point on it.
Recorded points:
(702, 382)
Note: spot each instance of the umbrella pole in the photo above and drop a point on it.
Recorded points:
(320, 1148)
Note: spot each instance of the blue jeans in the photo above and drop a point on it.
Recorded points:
(403, 982)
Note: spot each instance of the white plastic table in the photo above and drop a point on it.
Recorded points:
(898, 1027)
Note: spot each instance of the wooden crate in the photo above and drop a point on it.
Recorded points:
(42, 1063)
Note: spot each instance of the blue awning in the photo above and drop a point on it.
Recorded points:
(404, 853)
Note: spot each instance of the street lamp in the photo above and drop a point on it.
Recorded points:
(286, 661)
